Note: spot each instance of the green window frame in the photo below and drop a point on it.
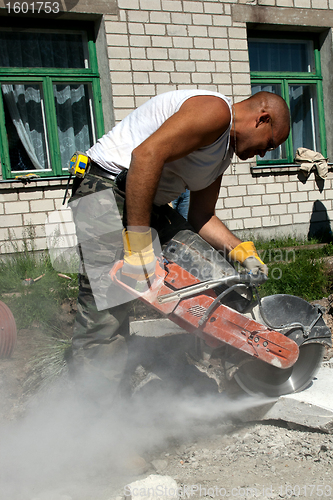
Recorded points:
(50, 79)
(285, 80)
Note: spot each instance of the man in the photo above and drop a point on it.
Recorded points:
(179, 140)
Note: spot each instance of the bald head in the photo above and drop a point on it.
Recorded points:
(261, 123)
(267, 102)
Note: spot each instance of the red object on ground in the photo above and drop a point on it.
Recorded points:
(8, 332)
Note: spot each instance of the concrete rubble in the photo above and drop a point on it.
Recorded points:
(153, 487)
(312, 408)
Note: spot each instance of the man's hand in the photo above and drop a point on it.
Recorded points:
(139, 257)
(246, 254)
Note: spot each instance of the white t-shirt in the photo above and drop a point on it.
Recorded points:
(195, 171)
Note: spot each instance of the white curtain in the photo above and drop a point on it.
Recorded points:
(24, 105)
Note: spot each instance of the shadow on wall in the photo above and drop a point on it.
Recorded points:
(320, 224)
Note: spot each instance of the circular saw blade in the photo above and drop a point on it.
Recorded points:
(257, 377)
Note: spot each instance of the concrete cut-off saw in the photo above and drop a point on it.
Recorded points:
(272, 345)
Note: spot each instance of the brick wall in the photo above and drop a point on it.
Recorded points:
(155, 46)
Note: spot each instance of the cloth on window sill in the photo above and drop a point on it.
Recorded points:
(309, 159)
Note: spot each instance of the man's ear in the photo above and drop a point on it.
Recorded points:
(263, 118)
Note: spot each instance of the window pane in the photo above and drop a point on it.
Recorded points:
(280, 152)
(42, 50)
(25, 126)
(270, 55)
(303, 106)
(74, 119)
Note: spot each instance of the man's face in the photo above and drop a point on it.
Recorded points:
(257, 141)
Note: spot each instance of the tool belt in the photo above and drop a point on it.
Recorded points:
(95, 169)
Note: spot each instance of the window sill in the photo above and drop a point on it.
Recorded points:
(282, 169)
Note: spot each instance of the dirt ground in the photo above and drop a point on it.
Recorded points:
(218, 457)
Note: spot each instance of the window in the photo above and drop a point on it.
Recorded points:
(290, 67)
(50, 102)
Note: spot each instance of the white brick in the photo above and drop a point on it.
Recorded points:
(159, 77)
(193, 6)
(223, 67)
(128, 4)
(184, 19)
(16, 207)
(202, 19)
(140, 41)
(180, 78)
(29, 195)
(233, 202)
(285, 198)
(203, 43)
(140, 77)
(225, 90)
(243, 90)
(223, 214)
(138, 16)
(289, 187)
(220, 78)
(35, 218)
(118, 53)
(165, 88)
(164, 65)
(292, 208)
(122, 90)
(157, 53)
(241, 213)
(178, 54)
(230, 180)
(176, 30)
(239, 55)
(213, 8)
(185, 66)
(182, 42)
(252, 223)
(162, 41)
(144, 89)
(136, 29)
(237, 33)
(10, 220)
(120, 114)
(274, 188)
(307, 206)
(123, 102)
(241, 78)
(41, 205)
(220, 43)
(299, 197)
(278, 209)
(201, 78)
(8, 197)
(118, 27)
(54, 193)
(138, 53)
(119, 65)
(141, 100)
(217, 32)
(198, 31)
(319, 4)
(142, 65)
(117, 40)
(202, 67)
(300, 218)
(236, 190)
(121, 77)
(4, 235)
(284, 3)
(255, 189)
(270, 199)
(270, 221)
(221, 20)
(286, 219)
(240, 67)
(260, 211)
(234, 225)
(150, 4)
(201, 55)
(173, 5)
(245, 179)
(237, 44)
(155, 29)
(252, 201)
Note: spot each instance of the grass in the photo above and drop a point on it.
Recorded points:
(296, 270)
(38, 302)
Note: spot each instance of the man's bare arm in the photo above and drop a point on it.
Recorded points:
(198, 123)
(203, 219)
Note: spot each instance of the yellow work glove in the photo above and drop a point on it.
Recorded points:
(139, 257)
(246, 254)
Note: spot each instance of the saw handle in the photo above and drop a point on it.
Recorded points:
(115, 271)
(253, 279)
